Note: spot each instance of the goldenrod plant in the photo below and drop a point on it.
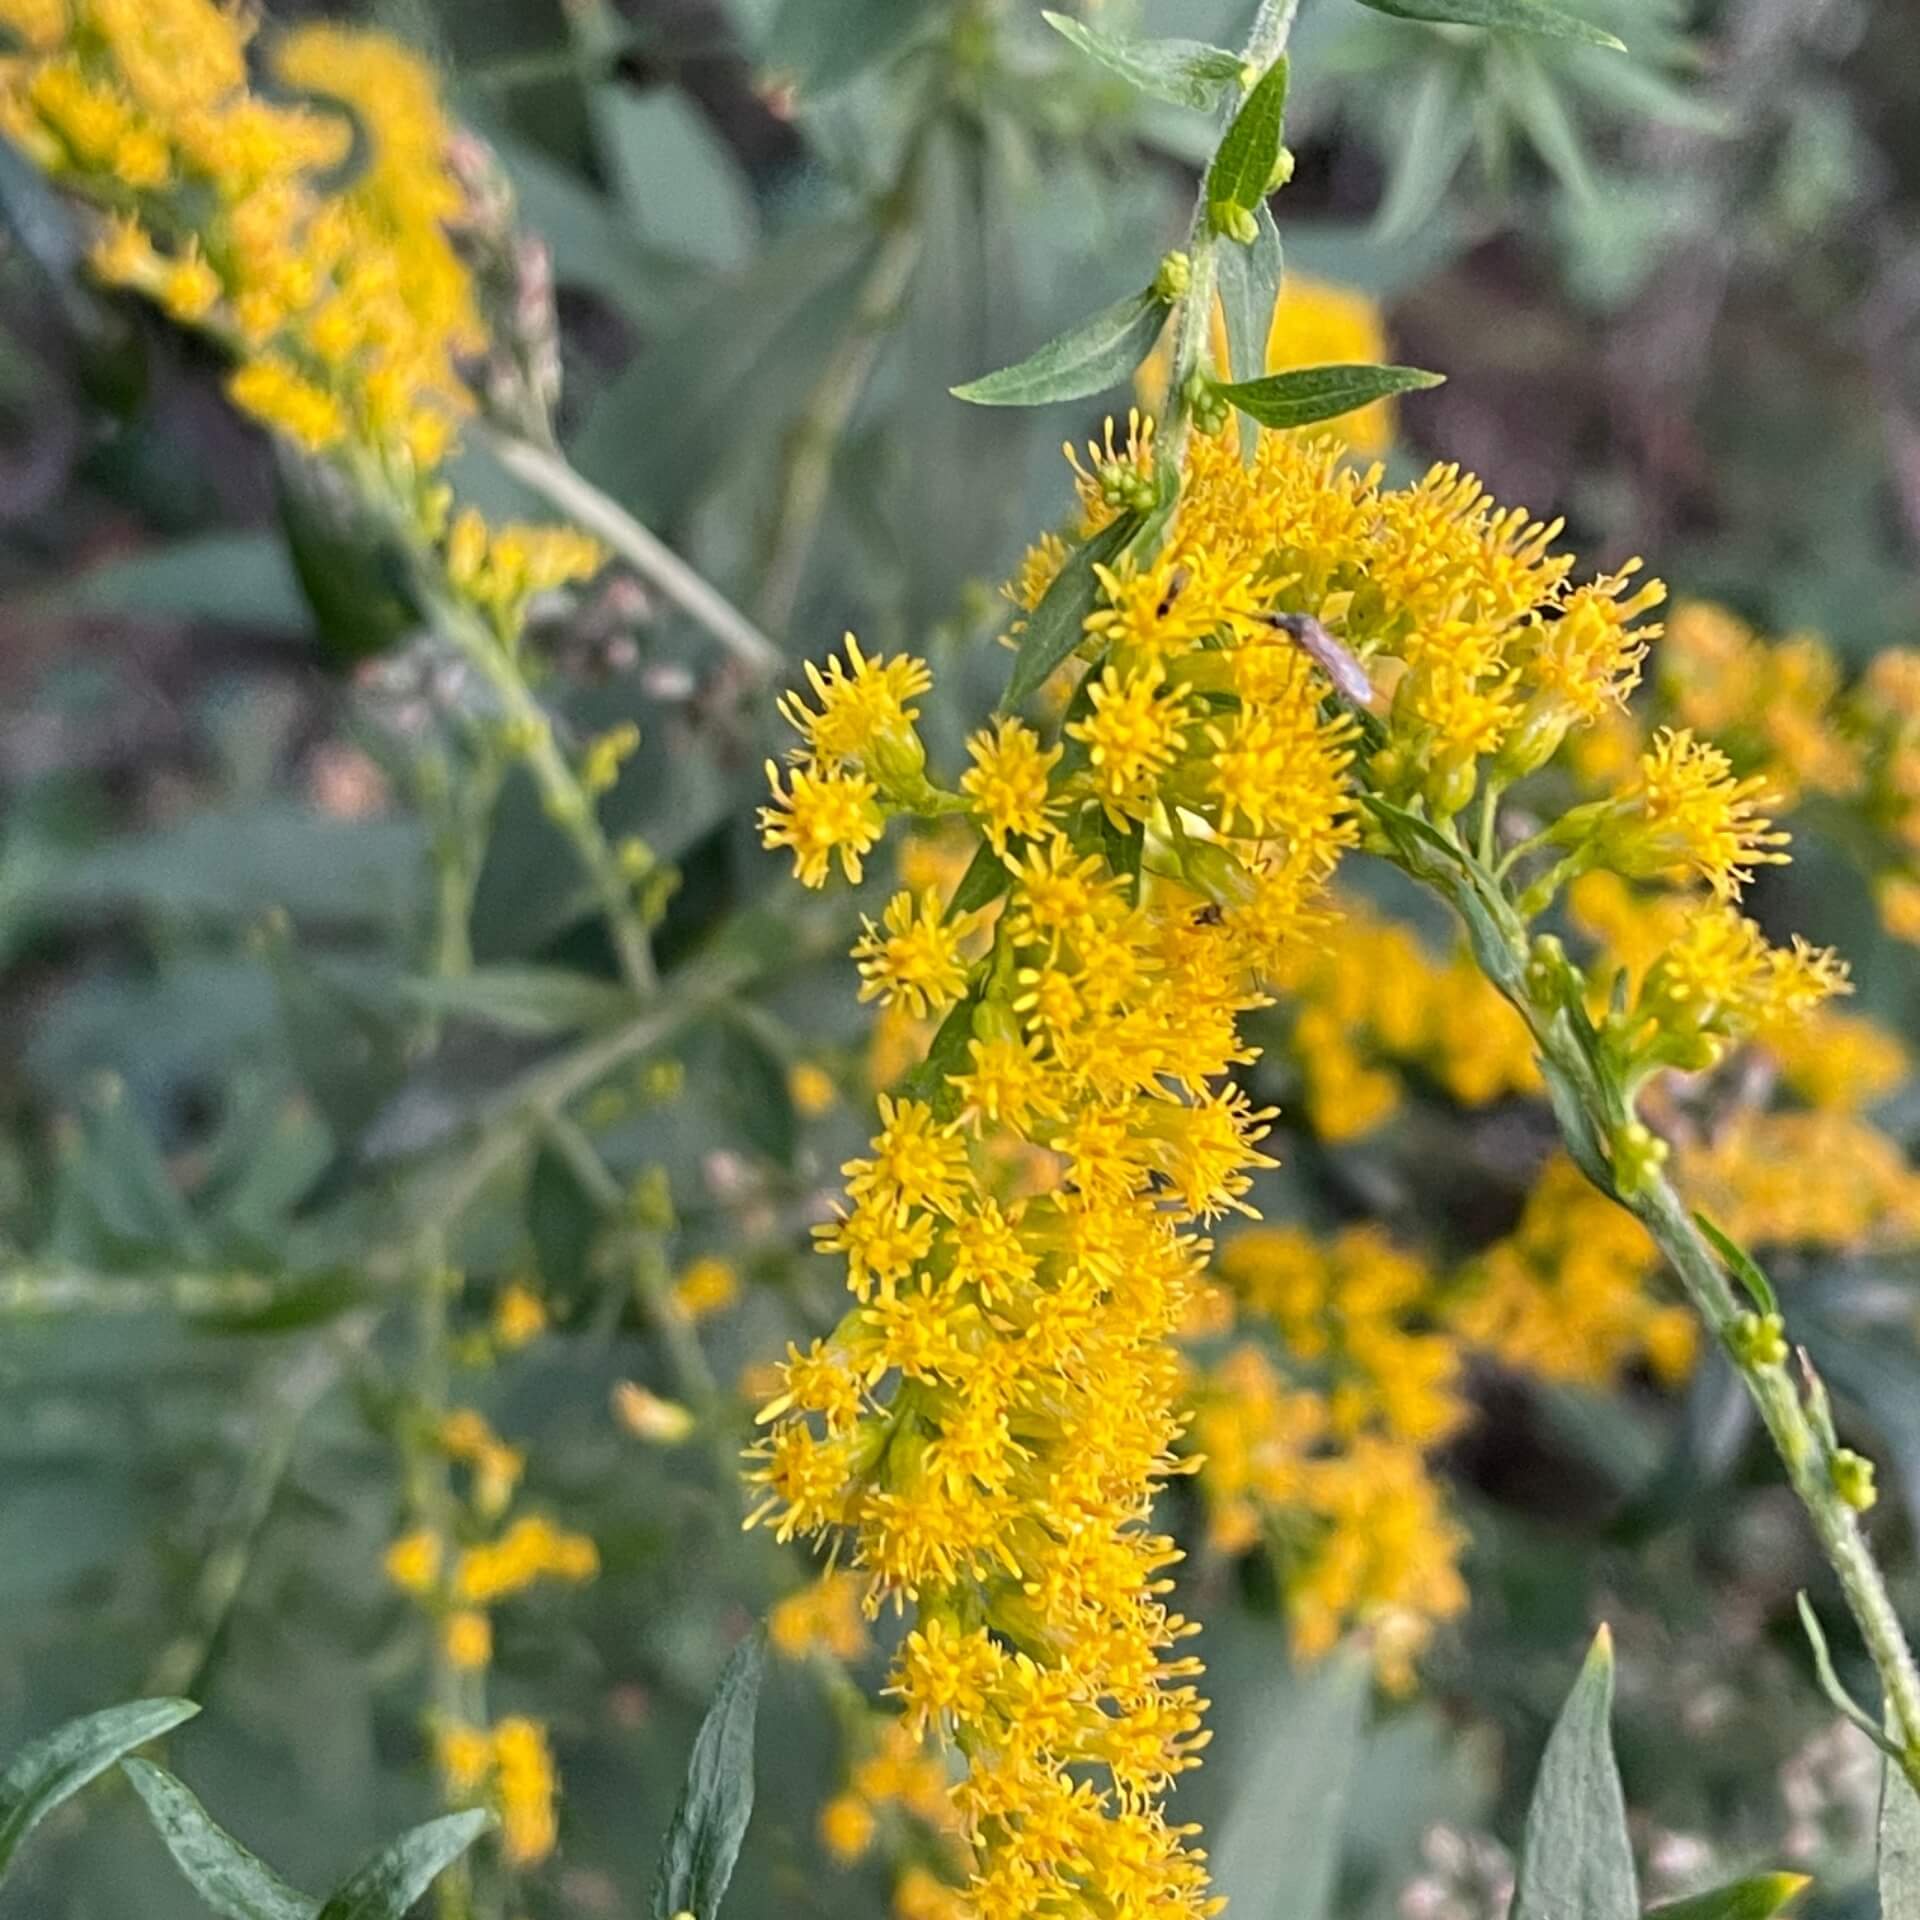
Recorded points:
(1347, 1116)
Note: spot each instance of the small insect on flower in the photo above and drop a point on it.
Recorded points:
(1349, 677)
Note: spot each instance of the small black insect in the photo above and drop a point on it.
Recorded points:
(1176, 586)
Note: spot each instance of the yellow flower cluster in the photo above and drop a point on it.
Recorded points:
(1371, 1009)
(1566, 1296)
(982, 1434)
(301, 221)
(511, 1765)
(349, 307)
(1329, 1463)
(455, 1583)
(1784, 712)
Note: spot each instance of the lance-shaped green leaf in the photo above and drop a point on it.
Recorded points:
(1055, 626)
(1899, 1867)
(1741, 1264)
(1189, 73)
(55, 1768)
(1242, 173)
(1279, 1845)
(1576, 1862)
(1758, 1898)
(1502, 16)
(1309, 395)
(235, 1884)
(1834, 1687)
(388, 1885)
(1084, 360)
(711, 1820)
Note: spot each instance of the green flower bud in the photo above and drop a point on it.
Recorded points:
(1282, 170)
(1235, 222)
(650, 1199)
(1638, 1155)
(1534, 741)
(1759, 1340)
(1552, 979)
(1852, 1476)
(1174, 277)
(1451, 788)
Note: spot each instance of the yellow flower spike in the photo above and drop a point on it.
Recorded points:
(811, 1088)
(1685, 813)
(708, 1286)
(519, 1317)
(413, 1561)
(1008, 782)
(464, 1757)
(468, 1639)
(524, 1787)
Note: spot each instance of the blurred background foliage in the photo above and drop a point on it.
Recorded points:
(1677, 296)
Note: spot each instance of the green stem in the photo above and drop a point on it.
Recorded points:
(567, 803)
(694, 1379)
(1193, 327)
(816, 435)
(548, 474)
(1502, 948)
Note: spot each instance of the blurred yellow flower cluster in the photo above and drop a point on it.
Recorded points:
(1327, 1461)
(1371, 1008)
(302, 221)
(464, 1560)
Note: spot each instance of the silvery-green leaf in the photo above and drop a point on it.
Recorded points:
(1502, 16)
(1084, 360)
(1899, 1866)
(717, 1801)
(1576, 1862)
(1055, 626)
(1250, 279)
(1187, 73)
(388, 1885)
(1242, 170)
(1309, 395)
(53, 1769)
(1278, 1849)
(235, 1884)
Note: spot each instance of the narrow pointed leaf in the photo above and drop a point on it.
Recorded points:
(1054, 627)
(388, 1885)
(1242, 170)
(1086, 359)
(1758, 1898)
(1834, 1688)
(1279, 1846)
(1899, 1870)
(717, 1801)
(984, 881)
(1312, 394)
(1576, 1862)
(235, 1884)
(1502, 16)
(1189, 73)
(1741, 1264)
(55, 1768)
